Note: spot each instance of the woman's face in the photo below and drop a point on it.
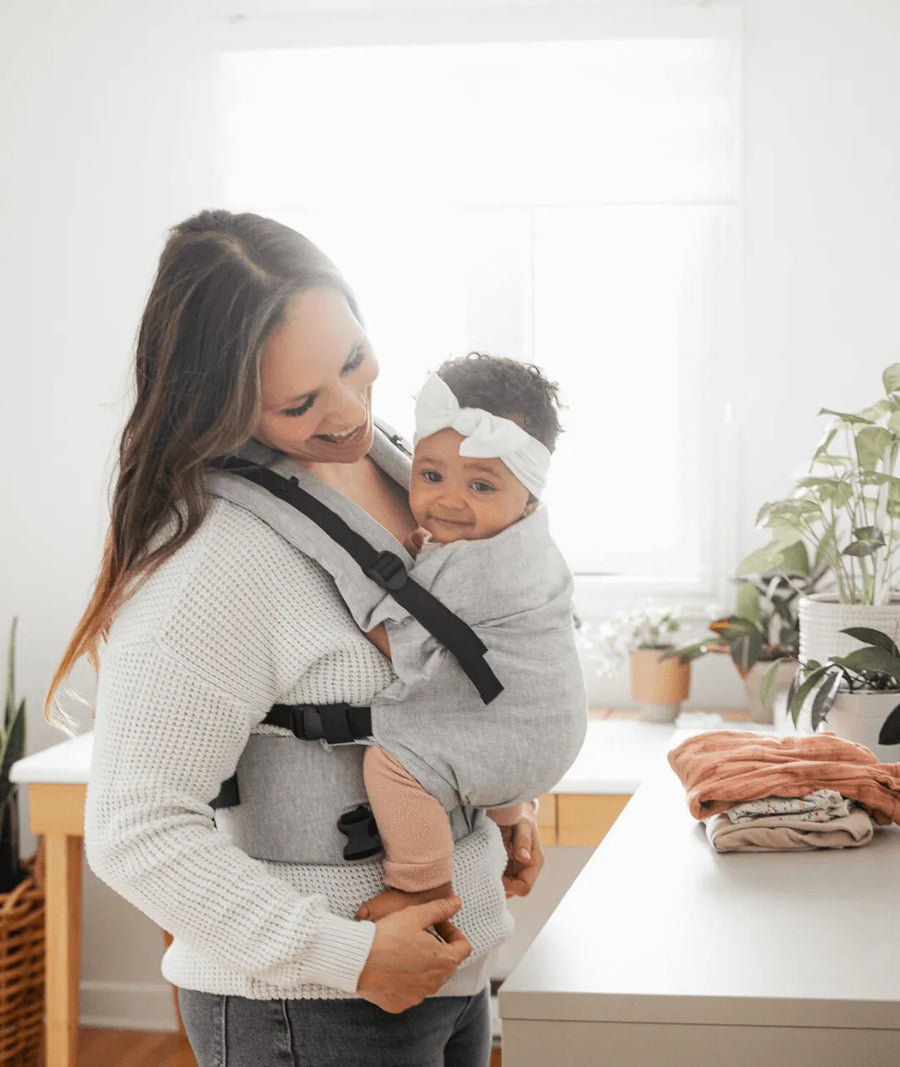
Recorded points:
(316, 371)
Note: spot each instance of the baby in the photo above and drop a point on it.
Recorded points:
(485, 428)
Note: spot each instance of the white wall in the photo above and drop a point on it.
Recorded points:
(108, 131)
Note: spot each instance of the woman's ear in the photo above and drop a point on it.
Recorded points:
(530, 506)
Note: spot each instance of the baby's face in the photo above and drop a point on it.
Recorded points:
(461, 498)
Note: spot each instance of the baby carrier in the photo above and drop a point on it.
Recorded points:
(530, 723)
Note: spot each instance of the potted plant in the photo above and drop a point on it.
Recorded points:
(764, 627)
(846, 508)
(21, 902)
(857, 695)
(658, 683)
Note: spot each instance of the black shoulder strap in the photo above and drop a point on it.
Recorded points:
(387, 570)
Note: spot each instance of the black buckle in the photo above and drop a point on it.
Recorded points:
(306, 722)
(387, 570)
(361, 831)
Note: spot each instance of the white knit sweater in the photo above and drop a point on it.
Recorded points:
(236, 621)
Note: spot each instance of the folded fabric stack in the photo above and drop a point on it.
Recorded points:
(823, 819)
(758, 793)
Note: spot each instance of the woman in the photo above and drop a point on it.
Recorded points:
(210, 618)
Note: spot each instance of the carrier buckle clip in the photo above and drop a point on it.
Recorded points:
(387, 570)
(361, 831)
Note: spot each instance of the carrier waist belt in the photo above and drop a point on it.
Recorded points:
(338, 724)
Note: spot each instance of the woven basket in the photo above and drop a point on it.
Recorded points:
(22, 969)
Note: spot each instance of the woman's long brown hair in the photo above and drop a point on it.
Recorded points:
(222, 286)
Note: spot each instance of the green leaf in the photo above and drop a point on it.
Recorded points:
(795, 559)
(828, 460)
(803, 691)
(894, 421)
(861, 549)
(891, 378)
(785, 534)
(687, 652)
(889, 734)
(823, 445)
(869, 533)
(765, 686)
(747, 605)
(872, 442)
(824, 699)
(871, 659)
(876, 410)
(746, 650)
(761, 559)
(872, 637)
(846, 417)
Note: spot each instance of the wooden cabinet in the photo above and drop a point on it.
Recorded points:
(578, 818)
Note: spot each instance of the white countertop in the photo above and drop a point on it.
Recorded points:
(68, 763)
(615, 758)
(660, 928)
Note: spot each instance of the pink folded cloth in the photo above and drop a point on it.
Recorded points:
(722, 768)
(781, 833)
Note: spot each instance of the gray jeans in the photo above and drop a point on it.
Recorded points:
(237, 1032)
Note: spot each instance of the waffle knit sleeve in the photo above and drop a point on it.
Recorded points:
(192, 664)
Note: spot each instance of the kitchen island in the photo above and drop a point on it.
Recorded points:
(666, 952)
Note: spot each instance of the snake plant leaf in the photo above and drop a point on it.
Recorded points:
(872, 659)
(10, 676)
(872, 637)
(12, 749)
(825, 697)
(803, 691)
(746, 650)
(765, 686)
(889, 734)
(872, 443)
(891, 378)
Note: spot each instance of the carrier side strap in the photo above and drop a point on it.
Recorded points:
(386, 569)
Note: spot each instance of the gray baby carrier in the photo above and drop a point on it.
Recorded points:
(488, 707)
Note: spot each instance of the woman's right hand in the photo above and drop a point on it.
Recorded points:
(406, 962)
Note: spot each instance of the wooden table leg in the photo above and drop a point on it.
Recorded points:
(63, 951)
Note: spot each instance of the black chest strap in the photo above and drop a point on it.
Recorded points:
(387, 570)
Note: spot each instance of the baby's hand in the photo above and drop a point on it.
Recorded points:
(391, 900)
(413, 543)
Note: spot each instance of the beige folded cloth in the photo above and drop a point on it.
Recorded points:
(781, 833)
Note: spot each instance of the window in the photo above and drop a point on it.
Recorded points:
(573, 203)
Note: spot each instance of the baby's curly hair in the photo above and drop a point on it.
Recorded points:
(507, 388)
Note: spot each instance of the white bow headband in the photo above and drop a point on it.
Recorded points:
(486, 435)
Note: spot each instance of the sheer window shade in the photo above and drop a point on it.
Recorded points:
(571, 203)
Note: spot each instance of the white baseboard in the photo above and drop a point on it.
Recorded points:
(128, 1005)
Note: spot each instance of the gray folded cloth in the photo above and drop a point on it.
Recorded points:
(782, 833)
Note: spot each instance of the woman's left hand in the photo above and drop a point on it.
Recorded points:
(525, 857)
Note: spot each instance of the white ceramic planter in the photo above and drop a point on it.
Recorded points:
(822, 618)
(859, 717)
(784, 675)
